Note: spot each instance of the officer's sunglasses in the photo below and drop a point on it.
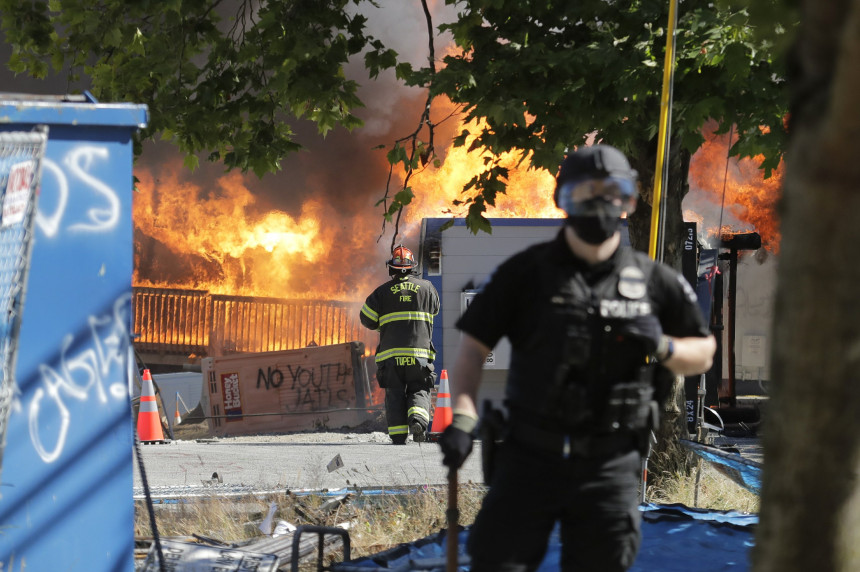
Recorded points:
(573, 195)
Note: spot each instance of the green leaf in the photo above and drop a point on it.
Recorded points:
(476, 221)
(405, 196)
(535, 83)
(191, 162)
(397, 155)
(137, 43)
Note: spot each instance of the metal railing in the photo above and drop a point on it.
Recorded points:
(195, 322)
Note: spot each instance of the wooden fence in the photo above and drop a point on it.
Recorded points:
(195, 324)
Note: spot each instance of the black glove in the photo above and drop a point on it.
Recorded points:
(646, 329)
(456, 440)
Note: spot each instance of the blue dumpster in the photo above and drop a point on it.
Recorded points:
(66, 480)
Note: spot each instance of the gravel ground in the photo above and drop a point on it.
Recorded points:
(198, 464)
(302, 461)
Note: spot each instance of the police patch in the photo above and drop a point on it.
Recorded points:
(631, 283)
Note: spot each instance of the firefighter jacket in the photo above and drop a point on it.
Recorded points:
(402, 310)
(566, 320)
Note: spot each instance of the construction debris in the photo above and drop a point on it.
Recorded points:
(190, 557)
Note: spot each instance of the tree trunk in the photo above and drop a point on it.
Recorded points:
(667, 457)
(810, 509)
(675, 191)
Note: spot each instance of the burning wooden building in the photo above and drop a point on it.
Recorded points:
(220, 272)
(177, 327)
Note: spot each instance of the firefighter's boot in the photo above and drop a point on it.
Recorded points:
(418, 430)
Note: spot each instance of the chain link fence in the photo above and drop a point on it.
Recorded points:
(21, 155)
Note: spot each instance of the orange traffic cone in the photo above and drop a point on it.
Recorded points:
(443, 414)
(148, 423)
(176, 418)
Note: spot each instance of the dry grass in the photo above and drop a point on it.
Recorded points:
(391, 520)
(217, 518)
(375, 523)
(380, 522)
(679, 476)
(706, 489)
(189, 431)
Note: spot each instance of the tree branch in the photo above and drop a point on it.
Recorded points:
(425, 153)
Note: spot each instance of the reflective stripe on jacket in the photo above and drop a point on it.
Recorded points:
(402, 310)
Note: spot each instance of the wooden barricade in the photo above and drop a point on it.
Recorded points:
(287, 391)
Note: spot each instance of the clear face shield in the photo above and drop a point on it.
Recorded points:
(606, 197)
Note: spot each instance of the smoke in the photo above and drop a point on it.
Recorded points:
(714, 215)
(345, 171)
(402, 27)
(731, 193)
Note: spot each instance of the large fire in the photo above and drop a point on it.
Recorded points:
(320, 253)
(738, 187)
(529, 193)
(224, 245)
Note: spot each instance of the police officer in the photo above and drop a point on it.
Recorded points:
(402, 310)
(590, 322)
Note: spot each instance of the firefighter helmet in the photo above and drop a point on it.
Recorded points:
(402, 261)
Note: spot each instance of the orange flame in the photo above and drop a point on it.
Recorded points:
(529, 193)
(216, 242)
(741, 188)
(221, 246)
(224, 248)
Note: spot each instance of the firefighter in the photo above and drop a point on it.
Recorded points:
(402, 310)
(598, 331)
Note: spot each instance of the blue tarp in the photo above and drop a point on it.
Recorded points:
(743, 471)
(675, 538)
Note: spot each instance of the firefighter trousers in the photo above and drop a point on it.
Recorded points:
(407, 397)
(595, 499)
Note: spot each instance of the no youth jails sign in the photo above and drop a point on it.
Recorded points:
(288, 390)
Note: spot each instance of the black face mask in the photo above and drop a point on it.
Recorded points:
(594, 229)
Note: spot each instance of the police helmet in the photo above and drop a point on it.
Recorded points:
(593, 176)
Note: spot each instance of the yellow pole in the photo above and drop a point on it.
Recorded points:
(661, 172)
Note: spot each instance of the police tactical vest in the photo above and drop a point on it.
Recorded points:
(575, 365)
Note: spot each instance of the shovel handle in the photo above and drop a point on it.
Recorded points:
(453, 515)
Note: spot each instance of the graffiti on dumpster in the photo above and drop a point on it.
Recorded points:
(80, 376)
(311, 388)
(102, 216)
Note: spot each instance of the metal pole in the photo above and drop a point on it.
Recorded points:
(643, 476)
(453, 516)
(643, 482)
(661, 172)
(733, 288)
